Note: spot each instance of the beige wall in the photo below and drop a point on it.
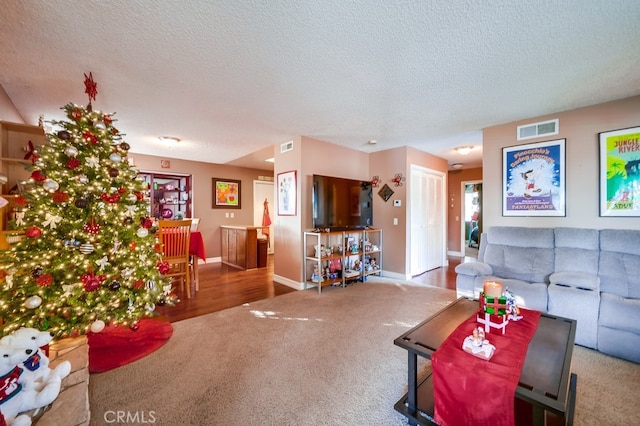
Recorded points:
(455, 196)
(8, 111)
(210, 219)
(580, 127)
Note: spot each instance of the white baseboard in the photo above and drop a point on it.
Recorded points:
(455, 253)
(288, 282)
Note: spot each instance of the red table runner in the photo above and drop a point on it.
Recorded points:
(470, 390)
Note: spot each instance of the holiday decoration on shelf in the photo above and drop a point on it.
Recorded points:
(86, 260)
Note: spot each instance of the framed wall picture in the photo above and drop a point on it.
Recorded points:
(533, 179)
(226, 193)
(620, 172)
(287, 193)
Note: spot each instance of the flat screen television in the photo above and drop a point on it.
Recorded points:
(340, 203)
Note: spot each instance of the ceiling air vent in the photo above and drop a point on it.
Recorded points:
(287, 146)
(535, 130)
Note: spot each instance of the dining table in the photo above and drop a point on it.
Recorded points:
(196, 251)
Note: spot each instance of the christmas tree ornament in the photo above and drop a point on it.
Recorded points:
(142, 232)
(44, 280)
(114, 285)
(33, 232)
(71, 151)
(97, 326)
(64, 135)
(90, 87)
(51, 220)
(73, 163)
(37, 271)
(92, 227)
(75, 114)
(99, 125)
(146, 222)
(83, 179)
(128, 220)
(60, 197)
(86, 248)
(113, 172)
(38, 175)
(81, 203)
(50, 185)
(125, 146)
(132, 198)
(33, 302)
(116, 158)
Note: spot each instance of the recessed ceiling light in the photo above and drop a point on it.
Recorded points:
(372, 142)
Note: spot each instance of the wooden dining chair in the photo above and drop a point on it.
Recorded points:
(175, 236)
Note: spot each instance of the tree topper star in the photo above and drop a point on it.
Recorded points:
(90, 87)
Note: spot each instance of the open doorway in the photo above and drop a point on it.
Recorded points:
(472, 215)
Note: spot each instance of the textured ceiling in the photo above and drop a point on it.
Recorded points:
(234, 77)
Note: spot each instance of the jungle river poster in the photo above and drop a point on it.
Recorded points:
(620, 172)
(533, 179)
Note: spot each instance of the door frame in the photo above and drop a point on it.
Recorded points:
(463, 240)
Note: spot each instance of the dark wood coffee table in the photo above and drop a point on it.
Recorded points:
(546, 381)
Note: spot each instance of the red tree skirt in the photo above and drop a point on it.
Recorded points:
(117, 346)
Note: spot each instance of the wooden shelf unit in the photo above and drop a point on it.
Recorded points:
(339, 257)
(168, 191)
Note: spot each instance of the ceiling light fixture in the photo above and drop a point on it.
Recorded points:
(464, 150)
(270, 160)
(456, 166)
(170, 141)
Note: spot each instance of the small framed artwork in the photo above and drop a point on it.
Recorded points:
(533, 179)
(620, 172)
(226, 193)
(287, 191)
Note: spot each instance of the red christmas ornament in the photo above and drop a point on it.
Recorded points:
(76, 114)
(90, 87)
(107, 119)
(89, 138)
(91, 282)
(163, 267)
(38, 175)
(44, 280)
(73, 163)
(60, 197)
(146, 222)
(139, 195)
(121, 191)
(111, 199)
(132, 246)
(20, 201)
(138, 284)
(33, 232)
(92, 227)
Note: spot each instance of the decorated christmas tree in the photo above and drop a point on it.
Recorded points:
(90, 255)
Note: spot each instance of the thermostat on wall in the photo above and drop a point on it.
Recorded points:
(397, 203)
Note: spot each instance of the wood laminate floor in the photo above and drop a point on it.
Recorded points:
(222, 287)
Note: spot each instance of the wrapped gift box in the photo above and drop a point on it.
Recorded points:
(490, 321)
(493, 305)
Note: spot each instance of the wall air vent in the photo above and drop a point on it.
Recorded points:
(535, 130)
(287, 146)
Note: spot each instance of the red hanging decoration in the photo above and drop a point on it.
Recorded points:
(163, 267)
(397, 179)
(92, 227)
(91, 282)
(90, 87)
(375, 181)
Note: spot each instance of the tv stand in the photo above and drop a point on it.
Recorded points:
(339, 257)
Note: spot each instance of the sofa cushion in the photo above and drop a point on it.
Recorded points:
(578, 280)
(620, 313)
(474, 269)
(619, 274)
(522, 263)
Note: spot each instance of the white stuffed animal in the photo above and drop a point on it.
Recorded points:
(35, 363)
(15, 398)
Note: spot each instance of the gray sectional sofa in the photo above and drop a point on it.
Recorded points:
(589, 275)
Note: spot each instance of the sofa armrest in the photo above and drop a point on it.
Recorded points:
(581, 280)
(474, 269)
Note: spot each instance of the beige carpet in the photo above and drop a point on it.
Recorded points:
(309, 359)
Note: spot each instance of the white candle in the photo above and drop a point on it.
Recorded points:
(492, 289)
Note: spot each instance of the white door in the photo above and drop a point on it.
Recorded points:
(263, 190)
(427, 220)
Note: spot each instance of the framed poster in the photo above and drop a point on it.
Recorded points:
(287, 193)
(620, 172)
(226, 193)
(533, 179)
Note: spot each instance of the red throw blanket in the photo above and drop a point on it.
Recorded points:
(469, 390)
